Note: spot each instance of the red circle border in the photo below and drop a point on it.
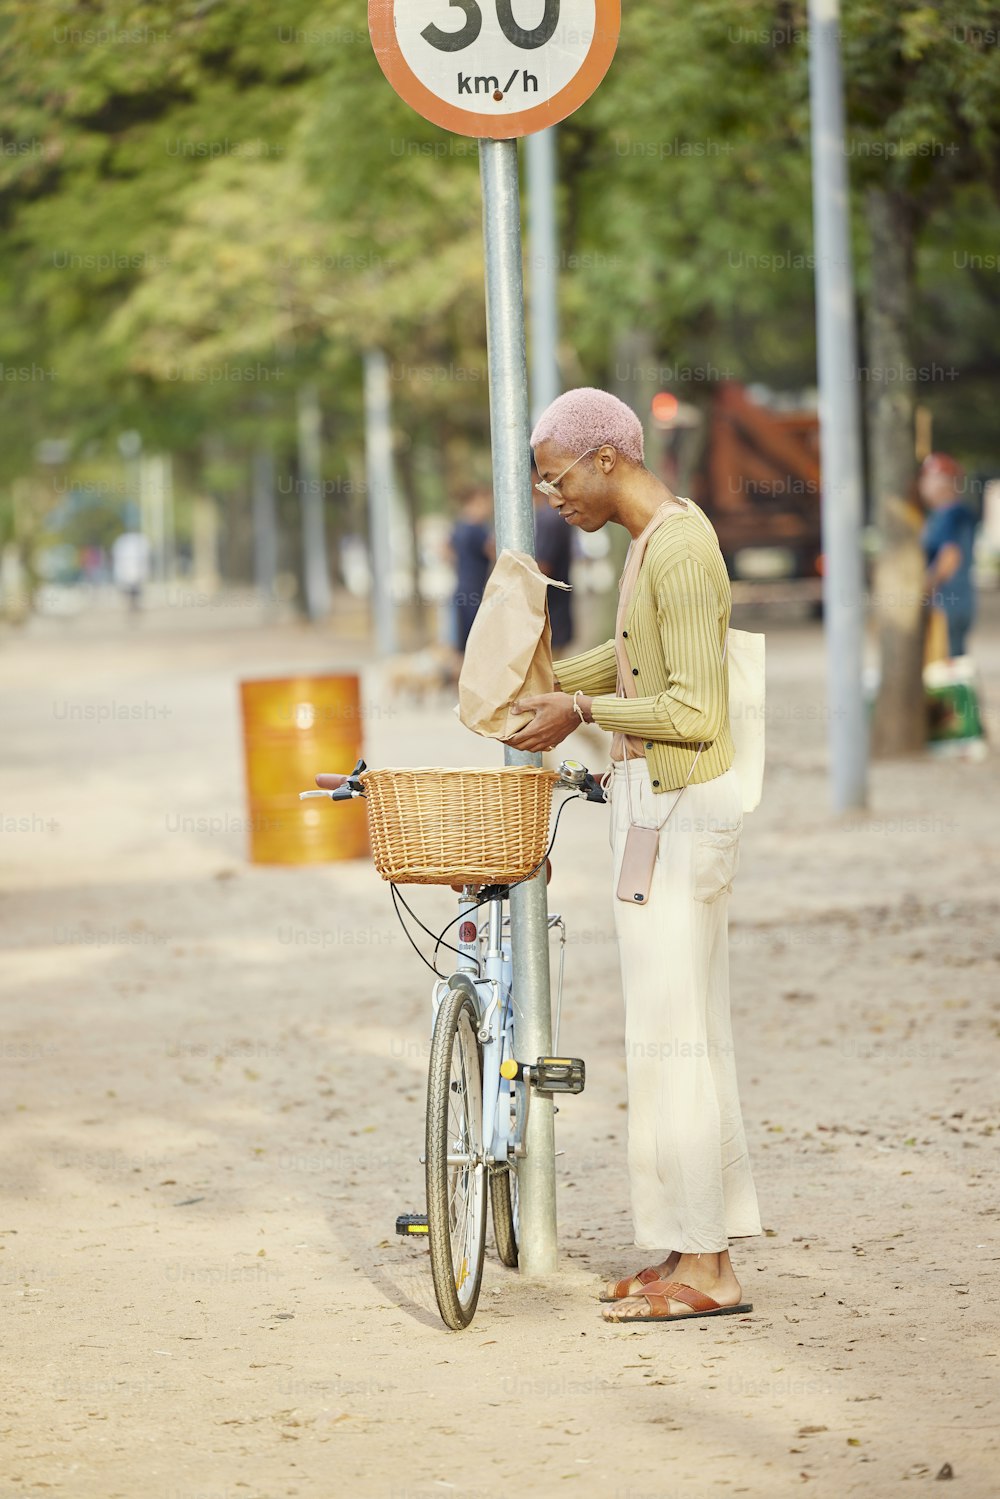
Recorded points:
(382, 30)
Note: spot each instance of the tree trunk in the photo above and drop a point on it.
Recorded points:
(315, 567)
(899, 723)
(406, 464)
(265, 521)
(381, 497)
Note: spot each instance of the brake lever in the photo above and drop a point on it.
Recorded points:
(351, 788)
(348, 792)
(593, 788)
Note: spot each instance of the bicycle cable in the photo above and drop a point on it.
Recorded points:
(396, 899)
(482, 901)
(485, 899)
(552, 841)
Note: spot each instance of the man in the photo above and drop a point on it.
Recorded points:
(691, 1184)
(472, 550)
(130, 566)
(948, 538)
(554, 553)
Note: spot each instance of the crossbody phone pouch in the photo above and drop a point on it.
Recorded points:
(638, 862)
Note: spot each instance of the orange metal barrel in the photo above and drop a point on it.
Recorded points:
(292, 728)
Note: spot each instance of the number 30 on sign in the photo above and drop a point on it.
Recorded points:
(494, 68)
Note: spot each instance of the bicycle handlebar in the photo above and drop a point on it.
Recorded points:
(343, 793)
(576, 777)
(339, 788)
(343, 788)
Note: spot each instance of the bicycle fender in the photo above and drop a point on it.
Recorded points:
(464, 981)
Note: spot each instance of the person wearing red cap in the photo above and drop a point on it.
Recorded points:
(947, 539)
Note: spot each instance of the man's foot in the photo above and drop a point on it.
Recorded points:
(618, 1290)
(672, 1301)
(701, 1286)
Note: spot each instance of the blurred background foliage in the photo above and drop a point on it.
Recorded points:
(208, 204)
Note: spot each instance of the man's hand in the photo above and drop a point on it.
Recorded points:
(945, 565)
(554, 720)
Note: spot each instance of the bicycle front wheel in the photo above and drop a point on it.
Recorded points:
(456, 1169)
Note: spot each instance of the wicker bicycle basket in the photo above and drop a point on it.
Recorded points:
(442, 827)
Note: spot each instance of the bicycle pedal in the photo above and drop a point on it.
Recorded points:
(411, 1223)
(559, 1074)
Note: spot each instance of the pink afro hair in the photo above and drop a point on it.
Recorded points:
(588, 418)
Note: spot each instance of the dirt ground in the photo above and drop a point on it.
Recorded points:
(213, 1111)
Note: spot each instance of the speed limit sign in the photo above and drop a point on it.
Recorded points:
(494, 68)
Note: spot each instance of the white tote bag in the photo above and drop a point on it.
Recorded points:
(747, 706)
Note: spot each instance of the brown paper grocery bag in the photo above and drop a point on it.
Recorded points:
(509, 650)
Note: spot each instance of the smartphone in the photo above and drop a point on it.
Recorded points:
(638, 862)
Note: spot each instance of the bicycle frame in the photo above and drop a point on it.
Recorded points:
(485, 971)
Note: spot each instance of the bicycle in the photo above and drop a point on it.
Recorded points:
(478, 1091)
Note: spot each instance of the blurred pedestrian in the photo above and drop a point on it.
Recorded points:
(473, 549)
(130, 566)
(948, 538)
(554, 553)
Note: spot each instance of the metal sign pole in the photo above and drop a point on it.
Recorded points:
(840, 450)
(540, 153)
(510, 431)
(494, 79)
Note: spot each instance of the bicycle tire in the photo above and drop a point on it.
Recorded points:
(503, 1200)
(456, 1194)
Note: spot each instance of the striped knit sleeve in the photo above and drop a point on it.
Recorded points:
(693, 706)
(589, 671)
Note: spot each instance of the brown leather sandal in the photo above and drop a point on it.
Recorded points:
(622, 1291)
(659, 1294)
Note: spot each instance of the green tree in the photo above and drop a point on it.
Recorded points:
(922, 89)
(240, 184)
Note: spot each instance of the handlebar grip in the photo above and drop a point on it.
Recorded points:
(333, 782)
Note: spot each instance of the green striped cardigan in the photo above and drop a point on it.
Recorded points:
(673, 637)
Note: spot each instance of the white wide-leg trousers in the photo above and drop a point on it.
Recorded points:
(689, 1171)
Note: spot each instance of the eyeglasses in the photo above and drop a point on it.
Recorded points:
(548, 486)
